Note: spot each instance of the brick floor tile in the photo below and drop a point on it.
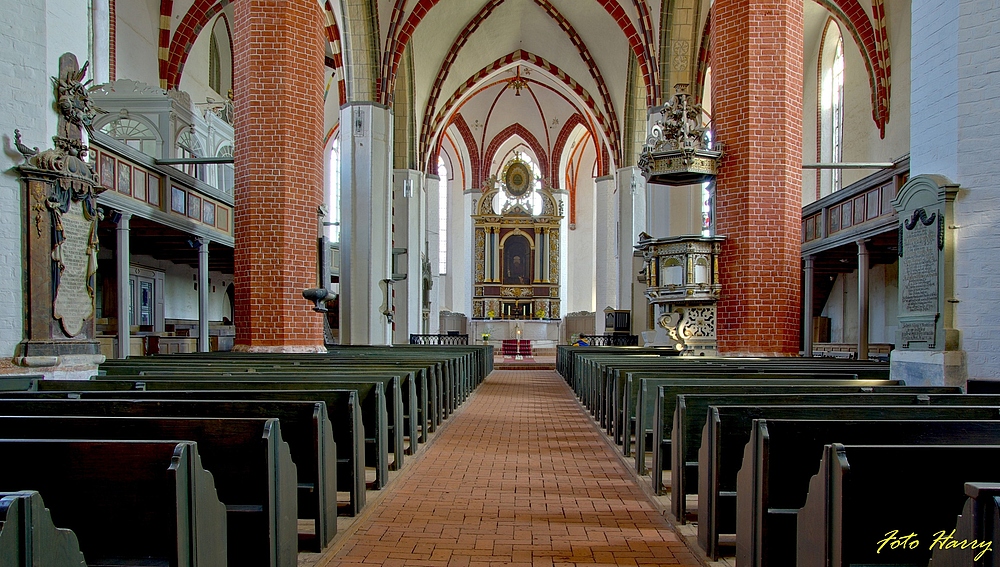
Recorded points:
(520, 476)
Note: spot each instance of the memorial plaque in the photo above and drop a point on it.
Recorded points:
(74, 301)
(919, 263)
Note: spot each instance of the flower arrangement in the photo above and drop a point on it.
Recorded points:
(491, 313)
(540, 313)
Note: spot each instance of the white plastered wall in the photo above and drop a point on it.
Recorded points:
(842, 306)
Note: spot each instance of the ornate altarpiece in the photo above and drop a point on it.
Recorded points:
(517, 248)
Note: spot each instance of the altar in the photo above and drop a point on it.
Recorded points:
(542, 333)
(517, 244)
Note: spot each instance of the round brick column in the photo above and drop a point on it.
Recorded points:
(757, 109)
(278, 91)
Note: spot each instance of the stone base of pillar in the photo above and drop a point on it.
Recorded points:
(61, 367)
(929, 368)
(286, 349)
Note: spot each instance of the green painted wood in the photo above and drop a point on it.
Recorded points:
(28, 538)
(128, 502)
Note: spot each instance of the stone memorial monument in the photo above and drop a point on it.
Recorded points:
(60, 217)
(927, 344)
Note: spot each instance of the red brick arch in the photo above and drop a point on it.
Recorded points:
(642, 51)
(440, 120)
(561, 140)
(508, 133)
(470, 144)
(427, 131)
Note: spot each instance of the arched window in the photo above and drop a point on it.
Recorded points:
(224, 171)
(837, 138)
(333, 193)
(188, 146)
(133, 133)
(830, 129)
(220, 58)
(442, 217)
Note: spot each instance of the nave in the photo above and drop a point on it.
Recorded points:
(520, 475)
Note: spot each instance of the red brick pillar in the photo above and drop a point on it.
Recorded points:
(278, 90)
(757, 109)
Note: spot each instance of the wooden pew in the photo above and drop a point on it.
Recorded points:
(728, 431)
(305, 426)
(639, 393)
(28, 538)
(128, 502)
(343, 409)
(689, 423)
(666, 405)
(415, 394)
(782, 456)
(977, 522)
(252, 466)
(913, 489)
(655, 415)
(371, 396)
(399, 393)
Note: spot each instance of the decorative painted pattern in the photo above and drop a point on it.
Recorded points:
(557, 73)
(200, 13)
(427, 131)
(163, 40)
(642, 52)
(333, 36)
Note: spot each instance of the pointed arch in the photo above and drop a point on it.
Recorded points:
(474, 24)
(475, 165)
(635, 40)
(521, 56)
(520, 132)
(561, 140)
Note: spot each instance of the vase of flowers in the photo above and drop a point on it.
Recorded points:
(540, 313)
(491, 314)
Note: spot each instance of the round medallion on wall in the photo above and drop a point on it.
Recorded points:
(517, 178)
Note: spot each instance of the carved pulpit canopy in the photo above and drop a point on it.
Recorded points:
(679, 149)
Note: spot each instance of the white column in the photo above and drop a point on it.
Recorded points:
(434, 184)
(863, 266)
(605, 252)
(202, 294)
(366, 209)
(463, 276)
(808, 276)
(631, 221)
(122, 255)
(407, 192)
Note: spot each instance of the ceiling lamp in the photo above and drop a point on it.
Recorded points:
(518, 83)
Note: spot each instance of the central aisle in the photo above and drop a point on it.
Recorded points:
(520, 476)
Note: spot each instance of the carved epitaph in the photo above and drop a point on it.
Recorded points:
(60, 223)
(924, 206)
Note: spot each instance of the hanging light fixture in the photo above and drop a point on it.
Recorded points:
(518, 83)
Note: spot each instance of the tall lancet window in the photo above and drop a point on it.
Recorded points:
(333, 192)
(830, 130)
(837, 140)
(442, 218)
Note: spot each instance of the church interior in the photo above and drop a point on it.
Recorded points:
(470, 209)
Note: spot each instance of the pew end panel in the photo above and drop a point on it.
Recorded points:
(28, 538)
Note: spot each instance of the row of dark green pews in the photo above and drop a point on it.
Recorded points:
(803, 461)
(256, 443)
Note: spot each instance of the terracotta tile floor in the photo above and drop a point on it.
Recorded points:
(520, 476)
